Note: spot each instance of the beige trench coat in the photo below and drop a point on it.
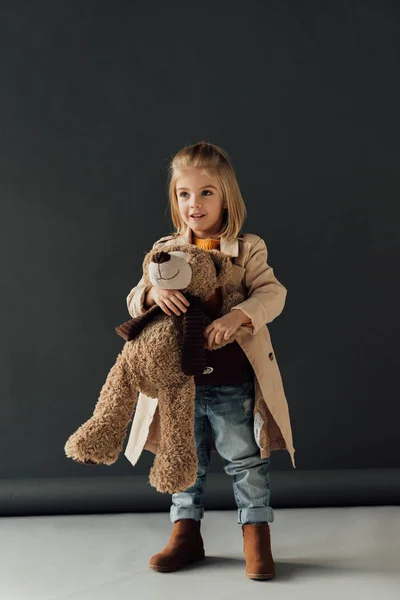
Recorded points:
(265, 299)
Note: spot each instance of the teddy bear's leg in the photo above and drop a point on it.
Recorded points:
(100, 439)
(175, 465)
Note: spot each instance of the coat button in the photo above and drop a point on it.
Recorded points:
(271, 356)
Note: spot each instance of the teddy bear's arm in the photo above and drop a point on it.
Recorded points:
(131, 329)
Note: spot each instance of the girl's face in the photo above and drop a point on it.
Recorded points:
(199, 194)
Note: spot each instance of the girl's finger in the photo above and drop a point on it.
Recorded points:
(211, 338)
(218, 337)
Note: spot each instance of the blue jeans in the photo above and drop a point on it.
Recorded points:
(227, 411)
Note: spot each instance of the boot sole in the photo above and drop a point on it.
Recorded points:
(169, 568)
(260, 575)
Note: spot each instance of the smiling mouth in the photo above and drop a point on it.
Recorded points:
(167, 278)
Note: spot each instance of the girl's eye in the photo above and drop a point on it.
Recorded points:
(202, 192)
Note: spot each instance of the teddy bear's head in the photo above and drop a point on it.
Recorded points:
(188, 268)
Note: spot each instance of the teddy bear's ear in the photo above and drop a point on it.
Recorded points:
(223, 266)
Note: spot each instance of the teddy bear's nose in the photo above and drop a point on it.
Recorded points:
(160, 257)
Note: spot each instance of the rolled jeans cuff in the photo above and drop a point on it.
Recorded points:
(177, 513)
(256, 514)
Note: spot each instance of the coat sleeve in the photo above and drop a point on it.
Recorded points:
(135, 298)
(266, 295)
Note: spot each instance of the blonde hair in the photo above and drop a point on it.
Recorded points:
(212, 160)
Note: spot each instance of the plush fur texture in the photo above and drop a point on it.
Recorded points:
(193, 355)
(153, 363)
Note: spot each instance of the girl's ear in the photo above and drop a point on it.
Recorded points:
(223, 266)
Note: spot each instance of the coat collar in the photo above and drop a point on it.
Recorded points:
(231, 248)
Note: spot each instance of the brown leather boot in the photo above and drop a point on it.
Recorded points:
(257, 550)
(185, 545)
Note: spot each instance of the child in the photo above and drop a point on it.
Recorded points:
(207, 205)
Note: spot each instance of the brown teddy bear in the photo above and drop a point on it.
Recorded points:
(160, 358)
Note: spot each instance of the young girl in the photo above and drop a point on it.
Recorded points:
(208, 210)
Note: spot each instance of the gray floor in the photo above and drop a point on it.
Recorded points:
(345, 553)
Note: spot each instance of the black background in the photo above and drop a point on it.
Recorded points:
(96, 98)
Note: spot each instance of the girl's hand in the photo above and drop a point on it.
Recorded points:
(169, 299)
(223, 328)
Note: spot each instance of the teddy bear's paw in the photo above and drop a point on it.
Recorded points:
(167, 485)
(85, 462)
(174, 475)
(82, 449)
